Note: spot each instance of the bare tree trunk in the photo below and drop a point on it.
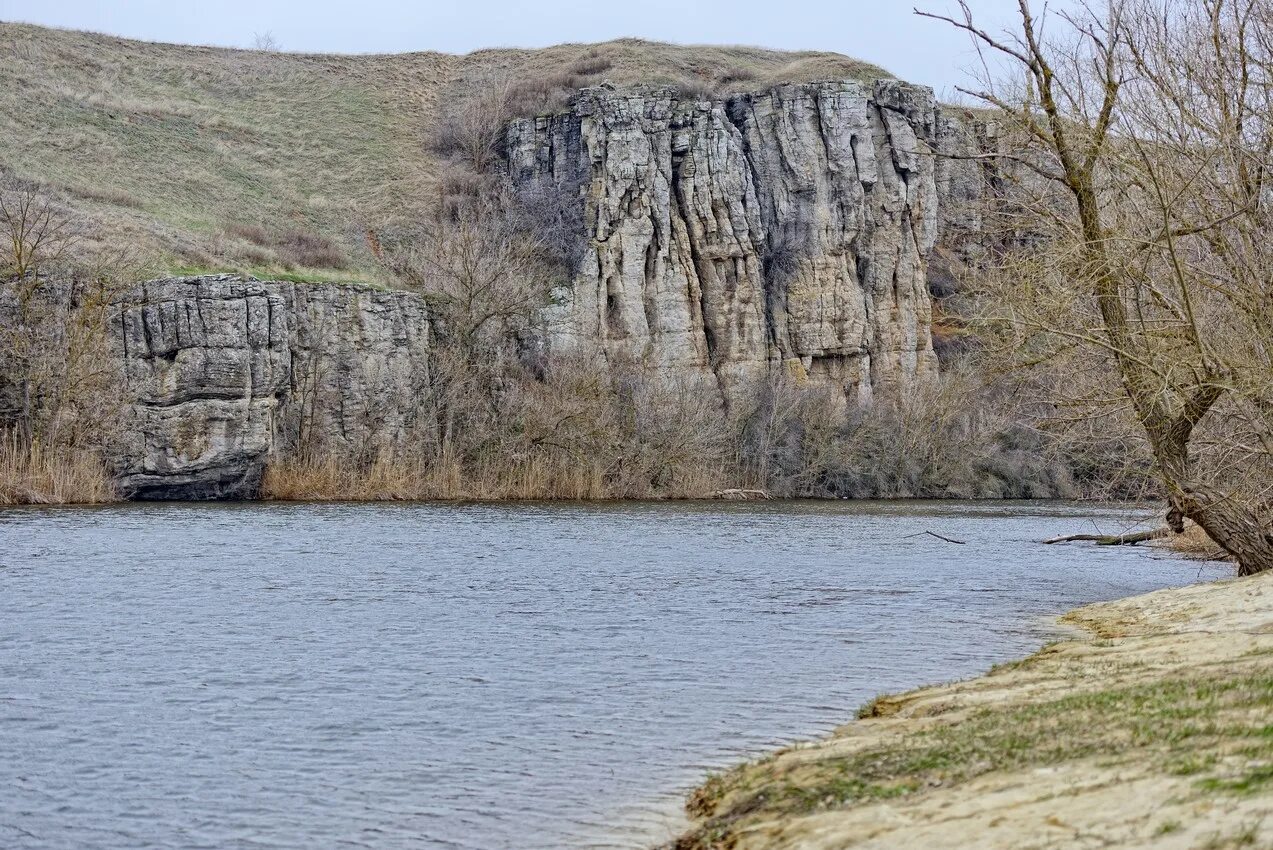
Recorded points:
(1231, 524)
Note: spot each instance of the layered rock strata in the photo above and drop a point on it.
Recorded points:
(785, 228)
(722, 243)
(224, 373)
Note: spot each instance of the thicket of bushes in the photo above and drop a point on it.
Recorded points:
(501, 418)
(565, 429)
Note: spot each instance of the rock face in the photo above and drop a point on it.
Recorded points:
(788, 228)
(723, 242)
(225, 372)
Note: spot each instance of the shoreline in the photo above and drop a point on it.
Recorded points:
(1150, 724)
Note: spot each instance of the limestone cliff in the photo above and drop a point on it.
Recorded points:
(726, 238)
(722, 241)
(224, 372)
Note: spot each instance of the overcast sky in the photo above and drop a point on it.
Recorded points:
(881, 31)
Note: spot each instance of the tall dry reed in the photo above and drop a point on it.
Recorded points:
(31, 475)
(543, 476)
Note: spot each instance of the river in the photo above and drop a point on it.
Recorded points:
(523, 676)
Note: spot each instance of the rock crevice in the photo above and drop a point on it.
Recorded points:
(223, 373)
(727, 238)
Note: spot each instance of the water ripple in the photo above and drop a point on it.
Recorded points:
(480, 676)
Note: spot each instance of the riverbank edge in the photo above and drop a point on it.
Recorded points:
(1151, 726)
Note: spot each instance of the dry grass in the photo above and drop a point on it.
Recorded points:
(31, 476)
(332, 479)
(161, 145)
(1163, 711)
(395, 477)
(1194, 543)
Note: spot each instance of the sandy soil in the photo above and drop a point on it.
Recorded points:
(1152, 728)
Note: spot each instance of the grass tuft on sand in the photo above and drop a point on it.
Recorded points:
(1159, 731)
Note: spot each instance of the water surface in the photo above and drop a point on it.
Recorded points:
(542, 676)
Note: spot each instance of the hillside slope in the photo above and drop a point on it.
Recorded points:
(236, 159)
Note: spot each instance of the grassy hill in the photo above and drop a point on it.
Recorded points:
(266, 162)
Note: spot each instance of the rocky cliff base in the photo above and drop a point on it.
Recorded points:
(1151, 730)
(223, 374)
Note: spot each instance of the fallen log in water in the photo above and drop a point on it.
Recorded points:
(1114, 539)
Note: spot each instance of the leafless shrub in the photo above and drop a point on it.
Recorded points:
(783, 255)
(309, 250)
(590, 66)
(695, 89)
(951, 337)
(258, 257)
(553, 213)
(61, 390)
(36, 233)
(293, 248)
(461, 184)
(473, 126)
(479, 270)
(954, 438)
(732, 77)
(253, 233)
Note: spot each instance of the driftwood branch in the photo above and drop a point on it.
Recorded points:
(1114, 539)
(934, 534)
(736, 494)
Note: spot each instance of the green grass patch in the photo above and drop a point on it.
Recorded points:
(1253, 781)
(1180, 722)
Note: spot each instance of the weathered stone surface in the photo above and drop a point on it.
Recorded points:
(788, 229)
(224, 372)
(784, 228)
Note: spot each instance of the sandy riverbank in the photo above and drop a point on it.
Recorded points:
(1153, 727)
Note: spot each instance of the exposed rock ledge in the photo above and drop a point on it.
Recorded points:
(724, 238)
(223, 372)
(723, 241)
(1151, 731)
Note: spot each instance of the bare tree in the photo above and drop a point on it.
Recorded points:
(1143, 146)
(266, 41)
(478, 269)
(483, 276)
(35, 233)
(474, 125)
(61, 385)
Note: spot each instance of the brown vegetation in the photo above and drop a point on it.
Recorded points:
(35, 232)
(473, 126)
(161, 145)
(33, 475)
(60, 387)
(289, 249)
(1143, 147)
(1194, 543)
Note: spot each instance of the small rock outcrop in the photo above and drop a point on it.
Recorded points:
(224, 372)
(788, 228)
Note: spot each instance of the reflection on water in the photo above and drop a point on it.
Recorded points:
(543, 676)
